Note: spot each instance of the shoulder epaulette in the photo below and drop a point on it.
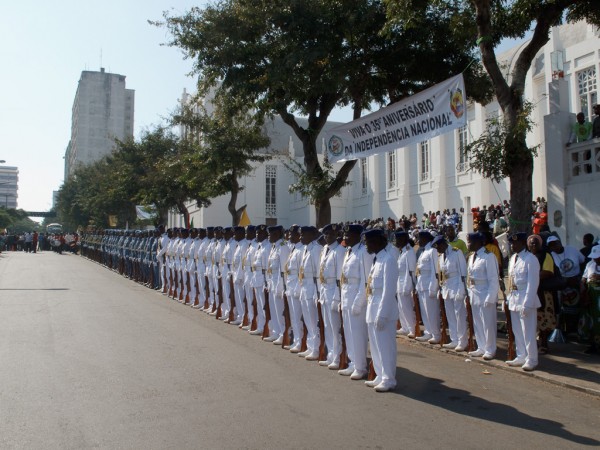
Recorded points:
(486, 251)
(454, 249)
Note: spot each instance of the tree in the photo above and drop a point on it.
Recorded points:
(230, 138)
(156, 171)
(306, 57)
(503, 151)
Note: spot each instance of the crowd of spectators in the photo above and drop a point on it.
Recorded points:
(33, 242)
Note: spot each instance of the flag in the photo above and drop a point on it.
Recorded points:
(192, 223)
(112, 220)
(145, 212)
(244, 219)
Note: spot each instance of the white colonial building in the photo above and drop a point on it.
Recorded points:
(434, 174)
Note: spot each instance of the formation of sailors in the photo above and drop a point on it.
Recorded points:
(331, 295)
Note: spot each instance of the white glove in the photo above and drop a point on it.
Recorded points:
(356, 310)
(379, 323)
(335, 306)
(523, 312)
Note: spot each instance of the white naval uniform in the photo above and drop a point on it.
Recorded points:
(208, 262)
(259, 266)
(238, 278)
(355, 271)
(523, 302)
(292, 270)
(407, 263)
(247, 259)
(201, 270)
(216, 268)
(226, 274)
(483, 286)
(161, 256)
(330, 272)
(278, 256)
(308, 293)
(453, 272)
(382, 315)
(427, 288)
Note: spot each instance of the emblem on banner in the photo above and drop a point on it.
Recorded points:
(457, 103)
(335, 146)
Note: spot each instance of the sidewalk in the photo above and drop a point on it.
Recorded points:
(565, 365)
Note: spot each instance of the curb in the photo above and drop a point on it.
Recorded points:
(496, 364)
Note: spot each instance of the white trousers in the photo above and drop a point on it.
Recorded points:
(239, 292)
(525, 330)
(383, 351)
(357, 338)
(406, 310)
(310, 315)
(485, 324)
(456, 312)
(277, 325)
(260, 307)
(333, 338)
(296, 318)
(249, 301)
(430, 313)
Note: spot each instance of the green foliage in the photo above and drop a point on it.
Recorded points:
(496, 152)
(312, 186)
(306, 57)
(16, 221)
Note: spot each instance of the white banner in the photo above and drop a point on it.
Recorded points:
(145, 212)
(435, 111)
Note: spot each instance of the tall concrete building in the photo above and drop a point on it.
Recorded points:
(9, 185)
(103, 110)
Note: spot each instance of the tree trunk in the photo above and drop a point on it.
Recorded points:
(235, 188)
(186, 214)
(323, 208)
(521, 193)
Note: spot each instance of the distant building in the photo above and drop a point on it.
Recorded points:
(103, 110)
(435, 175)
(9, 185)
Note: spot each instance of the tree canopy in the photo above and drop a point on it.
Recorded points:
(305, 57)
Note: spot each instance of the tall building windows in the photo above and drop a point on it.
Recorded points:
(587, 88)
(363, 176)
(424, 161)
(270, 189)
(463, 157)
(391, 169)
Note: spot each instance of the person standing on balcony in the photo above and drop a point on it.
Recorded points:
(596, 124)
(581, 130)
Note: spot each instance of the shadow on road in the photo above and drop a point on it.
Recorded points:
(434, 392)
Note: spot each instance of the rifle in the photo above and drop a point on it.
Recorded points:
(220, 297)
(265, 333)
(471, 342)
(344, 353)
(206, 291)
(371, 375)
(254, 325)
(444, 339)
(288, 322)
(231, 317)
(418, 331)
(415, 296)
(286, 315)
(303, 345)
(509, 330)
(189, 288)
(164, 288)
(322, 352)
(245, 319)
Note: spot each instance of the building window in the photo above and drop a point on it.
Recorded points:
(463, 157)
(587, 88)
(391, 169)
(363, 176)
(424, 161)
(271, 183)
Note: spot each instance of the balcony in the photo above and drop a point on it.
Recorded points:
(583, 159)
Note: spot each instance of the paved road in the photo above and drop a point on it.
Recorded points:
(89, 359)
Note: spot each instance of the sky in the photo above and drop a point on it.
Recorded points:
(44, 48)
